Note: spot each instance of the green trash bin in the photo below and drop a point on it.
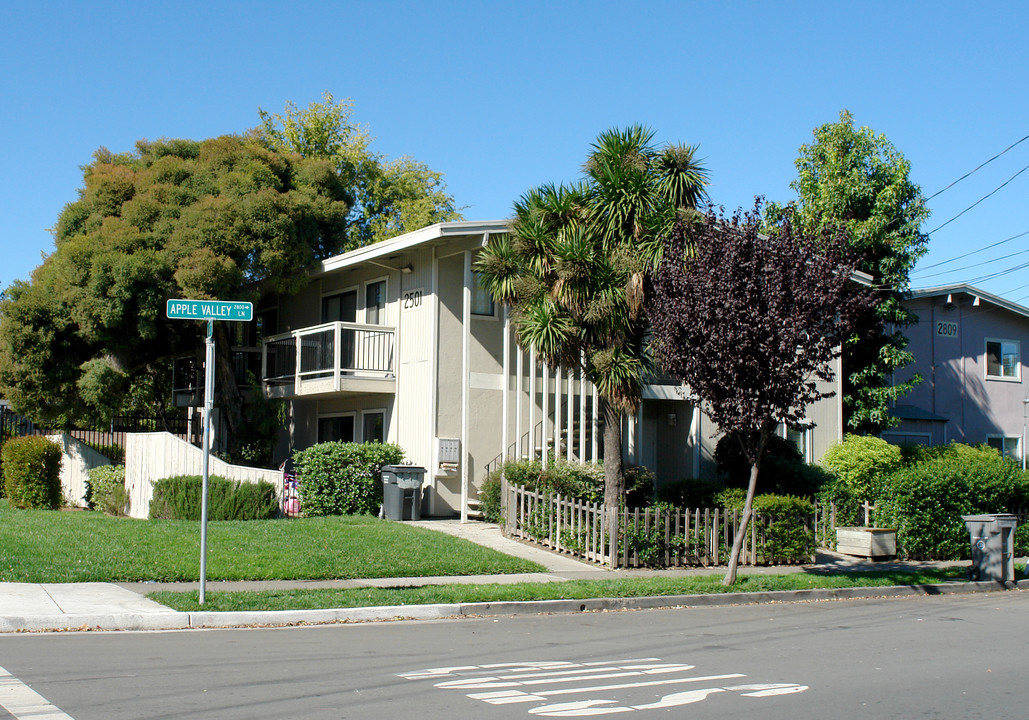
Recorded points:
(397, 482)
(993, 546)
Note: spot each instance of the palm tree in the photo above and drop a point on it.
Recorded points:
(573, 265)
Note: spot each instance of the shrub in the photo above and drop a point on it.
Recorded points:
(782, 530)
(489, 498)
(181, 498)
(338, 478)
(860, 465)
(105, 489)
(925, 501)
(581, 480)
(783, 470)
(32, 472)
(689, 493)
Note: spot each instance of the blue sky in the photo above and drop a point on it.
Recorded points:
(502, 97)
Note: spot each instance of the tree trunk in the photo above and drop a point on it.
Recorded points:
(741, 534)
(614, 478)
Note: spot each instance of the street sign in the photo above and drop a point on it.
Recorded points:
(210, 310)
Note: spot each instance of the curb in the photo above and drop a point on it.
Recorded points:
(282, 618)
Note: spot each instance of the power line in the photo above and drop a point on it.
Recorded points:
(977, 169)
(999, 273)
(979, 200)
(974, 252)
(973, 265)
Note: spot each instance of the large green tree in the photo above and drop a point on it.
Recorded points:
(231, 217)
(573, 269)
(387, 197)
(856, 180)
(223, 218)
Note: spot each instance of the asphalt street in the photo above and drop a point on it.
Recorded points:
(960, 656)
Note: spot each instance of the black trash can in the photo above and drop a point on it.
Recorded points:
(400, 482)
(993, 546)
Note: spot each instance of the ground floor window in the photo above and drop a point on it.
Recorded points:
(1008, 446)
(799, 436)
(337, 428)
(373, 426)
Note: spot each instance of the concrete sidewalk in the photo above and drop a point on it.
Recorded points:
(28, 607)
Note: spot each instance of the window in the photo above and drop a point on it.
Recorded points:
(266, 323)
(375, 303)
(1003, 359)
(336, 428)
(340, 307)
(799, 437)
(482, 300)
(373, 426)
(1008, 446)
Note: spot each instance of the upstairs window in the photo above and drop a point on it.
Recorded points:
(1003, 359)
(375, 303)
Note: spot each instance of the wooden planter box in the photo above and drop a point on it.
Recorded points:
(866, 542)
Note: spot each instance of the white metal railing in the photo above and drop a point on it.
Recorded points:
(332, 350)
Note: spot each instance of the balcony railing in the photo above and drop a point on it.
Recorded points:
(324, 357)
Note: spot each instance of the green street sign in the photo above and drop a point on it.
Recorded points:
(210, 310)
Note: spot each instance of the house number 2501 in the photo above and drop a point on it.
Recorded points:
(947, 329)
(412, 299)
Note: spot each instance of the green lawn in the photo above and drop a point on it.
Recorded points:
(577, 589)
(53, 546)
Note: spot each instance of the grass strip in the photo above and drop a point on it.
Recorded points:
(311, 599)
(46, 546)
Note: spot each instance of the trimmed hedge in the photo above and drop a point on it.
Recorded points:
(181, 498)
(338, 478)
(783, 522)
(926, 500)
(105, 489)
(32, 473)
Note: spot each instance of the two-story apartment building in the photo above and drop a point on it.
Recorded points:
(967, 346)
(397, 342)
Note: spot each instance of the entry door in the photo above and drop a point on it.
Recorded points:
(341, 307)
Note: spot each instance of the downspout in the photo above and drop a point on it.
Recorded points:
(466, 321)
(506, 372)
(433, 405)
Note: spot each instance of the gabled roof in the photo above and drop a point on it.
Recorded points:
(978, 296)
(431, 235)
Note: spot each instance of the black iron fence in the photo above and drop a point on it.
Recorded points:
(108, 439)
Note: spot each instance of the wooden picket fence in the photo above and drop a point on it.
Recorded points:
(653, 537)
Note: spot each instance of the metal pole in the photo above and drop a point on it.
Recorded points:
(208, 406)
(1025, 407)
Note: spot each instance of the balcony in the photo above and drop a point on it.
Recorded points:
(337, 357)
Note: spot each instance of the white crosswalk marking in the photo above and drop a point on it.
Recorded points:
(543, 683)
(24, 703)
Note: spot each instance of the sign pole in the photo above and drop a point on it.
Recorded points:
(208, 407)
(209, 310)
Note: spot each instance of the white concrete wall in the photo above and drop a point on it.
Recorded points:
(78, 460)
(152, 456)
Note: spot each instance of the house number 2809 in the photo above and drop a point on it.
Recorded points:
(412, 299)
(947, 329)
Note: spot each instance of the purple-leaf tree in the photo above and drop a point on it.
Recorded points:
(750, 323)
